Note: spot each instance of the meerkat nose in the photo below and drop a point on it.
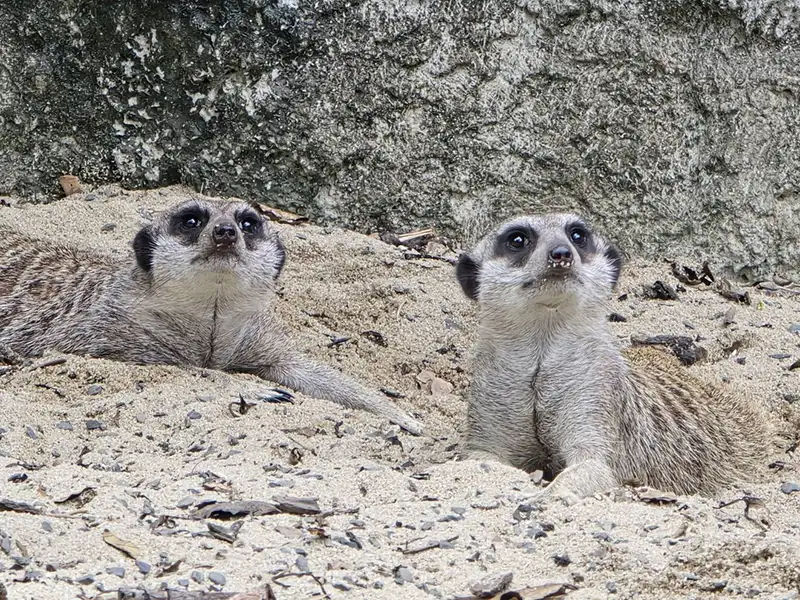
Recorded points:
(224, 234)
(560, 257)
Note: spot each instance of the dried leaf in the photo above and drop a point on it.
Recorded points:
(230, 510)
(123, 546)
(282, 216)
(79, 499)
(548, 590)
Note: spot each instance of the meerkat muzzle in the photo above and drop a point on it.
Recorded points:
(560, 259)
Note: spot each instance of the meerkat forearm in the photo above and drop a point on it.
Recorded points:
(321, 381)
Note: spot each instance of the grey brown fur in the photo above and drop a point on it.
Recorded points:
(552, 391)
(198, 293)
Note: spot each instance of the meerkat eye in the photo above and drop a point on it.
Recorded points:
(248, 224)
(517, 240)
(192, 221)
(579, 236)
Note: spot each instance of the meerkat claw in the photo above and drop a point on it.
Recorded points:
(275, 396)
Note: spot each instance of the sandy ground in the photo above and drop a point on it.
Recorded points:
(167, 442)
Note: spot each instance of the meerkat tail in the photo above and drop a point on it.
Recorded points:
(322, 381)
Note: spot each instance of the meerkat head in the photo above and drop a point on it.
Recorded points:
(546, 260)
(197, 238)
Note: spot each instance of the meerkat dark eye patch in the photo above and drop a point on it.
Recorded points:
(615, 258)
(582, 239)
(144, 244)
(467, 274)
(188, 223)
(516, 244)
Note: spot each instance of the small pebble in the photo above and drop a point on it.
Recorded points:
(65, 425)
(183, 583)
(795, 328)
(185, 502)
(108, 227)
(426, 526)
(302, 564)
(562, 560)
(206, 397)
(197, 577)
(143, 567)
(31, 433)
(780, 356)
(93, 424)
(141, 417)
(47, 526)
(611, 586)
(85, 580)
(217, 578)
(118, 571)
(194, 415)
(94, 389)
(491, 585)
(790, 487)
(403, 575)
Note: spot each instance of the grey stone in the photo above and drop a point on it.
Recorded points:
(65, 425)
(144, 567)
(118, 571)
(466, 115)
(217, 578)
(790, 487)
(94, 389)
(403, 575)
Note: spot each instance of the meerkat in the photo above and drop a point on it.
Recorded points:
(197, 291)
(552, 391)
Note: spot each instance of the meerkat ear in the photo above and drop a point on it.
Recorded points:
(281, 251)
(467, 274)
(615, 258)
(143, 246)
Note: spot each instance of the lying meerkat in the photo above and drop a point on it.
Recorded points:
(552, 391)
(198, 293)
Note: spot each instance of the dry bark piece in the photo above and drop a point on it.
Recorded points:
(226, 534)
(230, 510)
(79, 499)
(14, 506)
(143, 594)
(282, 216)
(297, 506)
(70, 184)
(123, 546)
(682, 346)
(646, 494)
(690, 276)
(418, 546)
(659, 290)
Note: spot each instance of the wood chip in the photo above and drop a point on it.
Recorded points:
(123, 546)
(70, 184)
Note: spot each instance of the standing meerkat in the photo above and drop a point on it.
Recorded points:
(552, 391)
(199, 293)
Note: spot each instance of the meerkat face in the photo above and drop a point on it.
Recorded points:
(544, 259)
(198, 238)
